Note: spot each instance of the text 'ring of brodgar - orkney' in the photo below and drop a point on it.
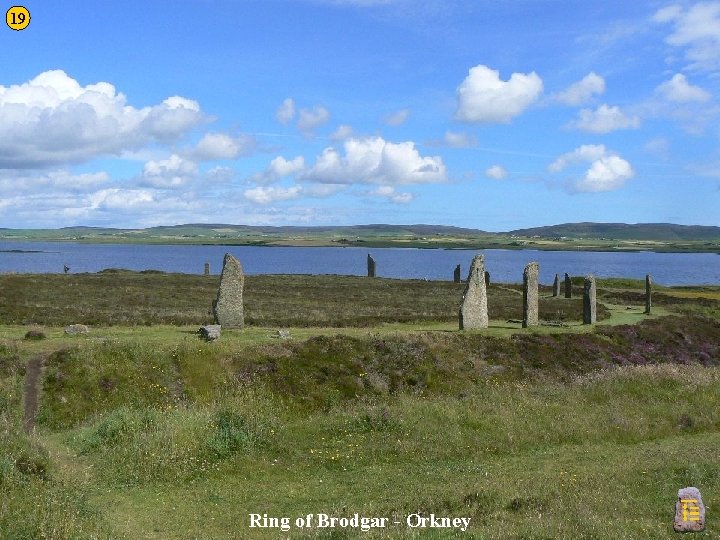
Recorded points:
(228, 307)
(473, 311)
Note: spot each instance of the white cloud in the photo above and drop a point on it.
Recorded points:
(269, 194)
(286, 111)
(120, 199)
(496, 172)
(278, 168)
(679, 89)
(483, 97)
(173, 172)
(49, 182)
(697, 29)
(607, 171)
(459, 140)
(604, 119)
(583, 90)
(309, 119)
(220, 174)
(397, 118)
(388, 192)
(342, 132)
(373, 160)
(221, 146)
(52, 119)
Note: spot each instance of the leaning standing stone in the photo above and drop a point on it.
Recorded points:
(648, 293)
(689, 511)
(456, 274)
(371, 266)
(556, 286)
(589, 300)
(473, 311)
(530, 294)
(228, 308)
(568, 286)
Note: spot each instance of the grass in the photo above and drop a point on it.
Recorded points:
(144, 431)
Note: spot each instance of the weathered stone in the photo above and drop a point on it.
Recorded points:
(473, 311)
(589, 300)
(487, 278)
(283, 333)
(568, 286)
(456, 274)
(530, 294)
(371, 266)
(210, 332)
(648, 293)
(556, 286)
(689, 511)
(75, 329)
(228, 307)
(207, 268)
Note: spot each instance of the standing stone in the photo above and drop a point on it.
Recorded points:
(648, 293)
(568, 286)
(228, 308)
(589, 300)
(207, 268)
(456, 275)
(689, 511)
(556, 286)
(487, 278)
(371, 266)
(473, 311)
(530, 294)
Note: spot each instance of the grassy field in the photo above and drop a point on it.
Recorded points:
(377, 405)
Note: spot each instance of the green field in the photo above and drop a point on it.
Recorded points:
(377, 405)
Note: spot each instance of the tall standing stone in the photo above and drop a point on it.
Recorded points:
(473, 311)
(530, 294)
(228, 308)
(456, 274)
(556, 286)
(487, 278)
(568, 286)
(207, 268)
(371, 266)
(589, 300)
(648, 293)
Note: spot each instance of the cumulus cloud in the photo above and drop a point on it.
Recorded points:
(221, 146)
(173, 172)
(607, 172)
(374, 160)
(286, 111)
(49, 182)
(52, 119)
(680, 90)
(309, 119)
(459, 140)
(389, 192)
(120, 199)
(279, 168)
(697, 29)
(483, 97)
(583, 90)
(269, 194)
(496, 172)
(342, 132)
(604, 119)
(397, 118)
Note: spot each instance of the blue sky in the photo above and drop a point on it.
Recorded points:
(483, 114)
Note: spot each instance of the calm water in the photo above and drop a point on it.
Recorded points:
(503, 265)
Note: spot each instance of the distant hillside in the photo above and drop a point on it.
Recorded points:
(624, 231)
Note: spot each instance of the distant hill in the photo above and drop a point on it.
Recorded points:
(624, 231)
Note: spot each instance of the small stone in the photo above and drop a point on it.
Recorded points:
(589, 300)
(283, 333)
(456, 274)
(228, 307)
(210, 332)
(556, 286)
(689, 511)
(75, 329)
(370, 266)
(35, 335)
(473, 311)
(568, 286)
(530, 294)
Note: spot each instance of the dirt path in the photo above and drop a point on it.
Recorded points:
(31, 391)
